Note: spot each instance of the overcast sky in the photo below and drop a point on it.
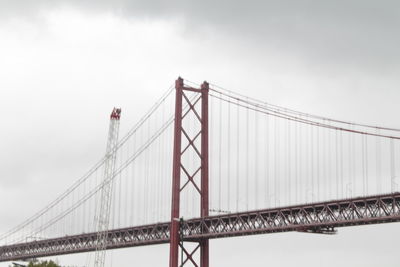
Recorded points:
(65, 64)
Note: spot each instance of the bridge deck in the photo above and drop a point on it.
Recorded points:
(314, 217)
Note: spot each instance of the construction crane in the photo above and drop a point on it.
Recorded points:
(103, 216)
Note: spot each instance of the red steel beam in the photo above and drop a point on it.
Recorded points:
(204, 244)
(176, 177)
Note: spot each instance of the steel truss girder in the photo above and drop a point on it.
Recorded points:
(314, 217)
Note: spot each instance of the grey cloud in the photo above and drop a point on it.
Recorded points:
(357, 34)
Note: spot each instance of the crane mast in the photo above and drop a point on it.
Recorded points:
(103, 217)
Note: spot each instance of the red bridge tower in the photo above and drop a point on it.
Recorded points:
(179, 168)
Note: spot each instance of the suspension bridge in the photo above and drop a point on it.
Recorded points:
(207, 163)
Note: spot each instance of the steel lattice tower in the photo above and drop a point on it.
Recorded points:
(103, 217)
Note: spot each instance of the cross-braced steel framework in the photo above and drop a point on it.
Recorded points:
(321, 217)
(179, 168)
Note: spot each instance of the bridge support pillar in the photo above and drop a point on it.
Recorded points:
(197, 95)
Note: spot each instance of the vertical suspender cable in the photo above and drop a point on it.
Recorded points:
(289, 166)
(341, 164)
(363, 163)
(366, 165)
(312, 162)
(300, 169)
(256, 174)
(378, 163)
(276, 160)
(324, 170)
(296, 158)
(266, 163)
(318, 166)
(237, 156)
(220, 154)
(353, 158)
(229, 157)
(337, 164)
(119, 189)
(330, 164)
(247, 157)
(126, 188)
(349, 184)
(392, 167)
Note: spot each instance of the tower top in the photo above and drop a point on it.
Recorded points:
(115, 114)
